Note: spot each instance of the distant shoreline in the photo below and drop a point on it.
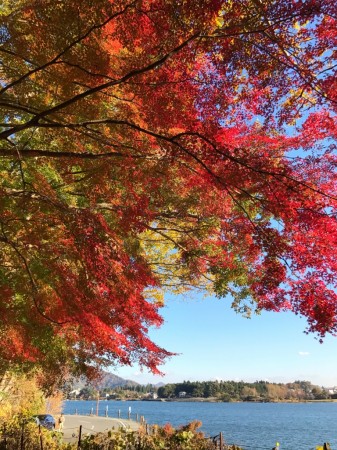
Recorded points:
(216, 400)
(204, 400)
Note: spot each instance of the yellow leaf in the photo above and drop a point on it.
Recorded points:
(219, 21)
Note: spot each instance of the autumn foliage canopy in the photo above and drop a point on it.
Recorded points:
(154, 145)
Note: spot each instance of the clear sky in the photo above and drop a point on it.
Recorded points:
(213, 342)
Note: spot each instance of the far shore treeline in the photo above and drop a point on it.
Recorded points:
(242, 391)
(225, 391)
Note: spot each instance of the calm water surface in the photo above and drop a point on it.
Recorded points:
(296, 426)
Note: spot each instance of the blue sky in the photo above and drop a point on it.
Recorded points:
(213, 342)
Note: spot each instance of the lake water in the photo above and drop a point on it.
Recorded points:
(296, 426)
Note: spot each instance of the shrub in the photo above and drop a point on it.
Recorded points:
(160, 438)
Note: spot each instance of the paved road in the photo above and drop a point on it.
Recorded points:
(93, 424)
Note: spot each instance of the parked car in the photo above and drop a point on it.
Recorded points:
(46, 421)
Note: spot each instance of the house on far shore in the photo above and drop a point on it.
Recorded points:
(332, 390)
(151, 396)
(74, 393)
(182, 394)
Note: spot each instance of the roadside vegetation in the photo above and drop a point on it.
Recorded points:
(19, 434)
(22, 397)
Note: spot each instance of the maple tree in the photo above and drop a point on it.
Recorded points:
(150, 145)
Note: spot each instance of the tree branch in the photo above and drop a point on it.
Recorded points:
(133, 73)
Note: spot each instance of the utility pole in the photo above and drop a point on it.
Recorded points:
(97, 403)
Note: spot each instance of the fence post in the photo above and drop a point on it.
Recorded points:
(5, 437)
(22, 440)
(221, 440)
(79, 438)
(40, 436)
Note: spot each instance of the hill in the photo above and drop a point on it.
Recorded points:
(107, 381)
